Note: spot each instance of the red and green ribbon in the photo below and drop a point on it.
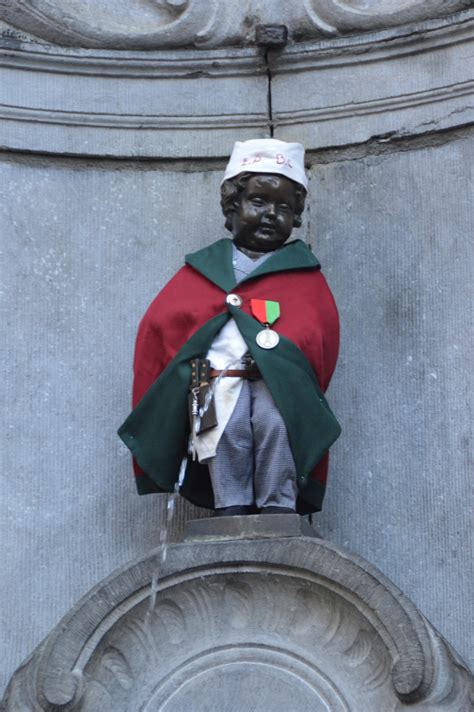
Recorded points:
(266, 311)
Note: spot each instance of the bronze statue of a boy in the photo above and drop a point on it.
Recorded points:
(234, 354)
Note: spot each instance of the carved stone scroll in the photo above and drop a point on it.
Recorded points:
(343, 16)
(159, 24)
(287, 622)
(106, 23)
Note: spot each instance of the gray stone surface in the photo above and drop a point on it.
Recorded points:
(392, 84)
(126, 24)
(275, 623)
(83, 253)
(170, 104)
(393, 233)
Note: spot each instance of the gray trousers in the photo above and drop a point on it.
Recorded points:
(253, 462)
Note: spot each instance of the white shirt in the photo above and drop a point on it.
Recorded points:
(226, 351)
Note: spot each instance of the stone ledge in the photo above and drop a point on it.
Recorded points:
(259, 526)
(131, 104)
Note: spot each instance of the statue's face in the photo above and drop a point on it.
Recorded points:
(263, 220)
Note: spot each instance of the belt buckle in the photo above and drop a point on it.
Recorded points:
(248, 363)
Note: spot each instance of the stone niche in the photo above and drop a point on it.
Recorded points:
(252, 613)
(109, 108)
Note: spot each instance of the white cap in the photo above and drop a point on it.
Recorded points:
(267, 155)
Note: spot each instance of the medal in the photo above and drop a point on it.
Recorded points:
(267, 338)
(267, 312)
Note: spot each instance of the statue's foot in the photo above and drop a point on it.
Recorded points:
(277, 510)
(236, 511)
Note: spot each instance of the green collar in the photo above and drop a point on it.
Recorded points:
(215, 262)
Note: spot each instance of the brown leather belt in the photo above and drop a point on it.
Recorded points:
(251, 373)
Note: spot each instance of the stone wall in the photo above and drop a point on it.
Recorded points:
(393, 233)
(98, 146)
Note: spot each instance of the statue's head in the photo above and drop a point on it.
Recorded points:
(263, 193)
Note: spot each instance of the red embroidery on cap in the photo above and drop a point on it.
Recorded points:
(283, 160)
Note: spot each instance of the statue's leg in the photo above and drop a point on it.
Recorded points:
(231, 469)
(275, 473)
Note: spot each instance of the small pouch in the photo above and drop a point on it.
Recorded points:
(208, 418)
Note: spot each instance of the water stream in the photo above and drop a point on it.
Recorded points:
(171, 498)
(165, 527)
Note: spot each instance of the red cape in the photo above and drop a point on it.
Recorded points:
(196, 295)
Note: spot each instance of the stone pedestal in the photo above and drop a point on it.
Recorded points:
(248, 613)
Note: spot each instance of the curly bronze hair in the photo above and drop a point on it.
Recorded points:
(232, 189)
